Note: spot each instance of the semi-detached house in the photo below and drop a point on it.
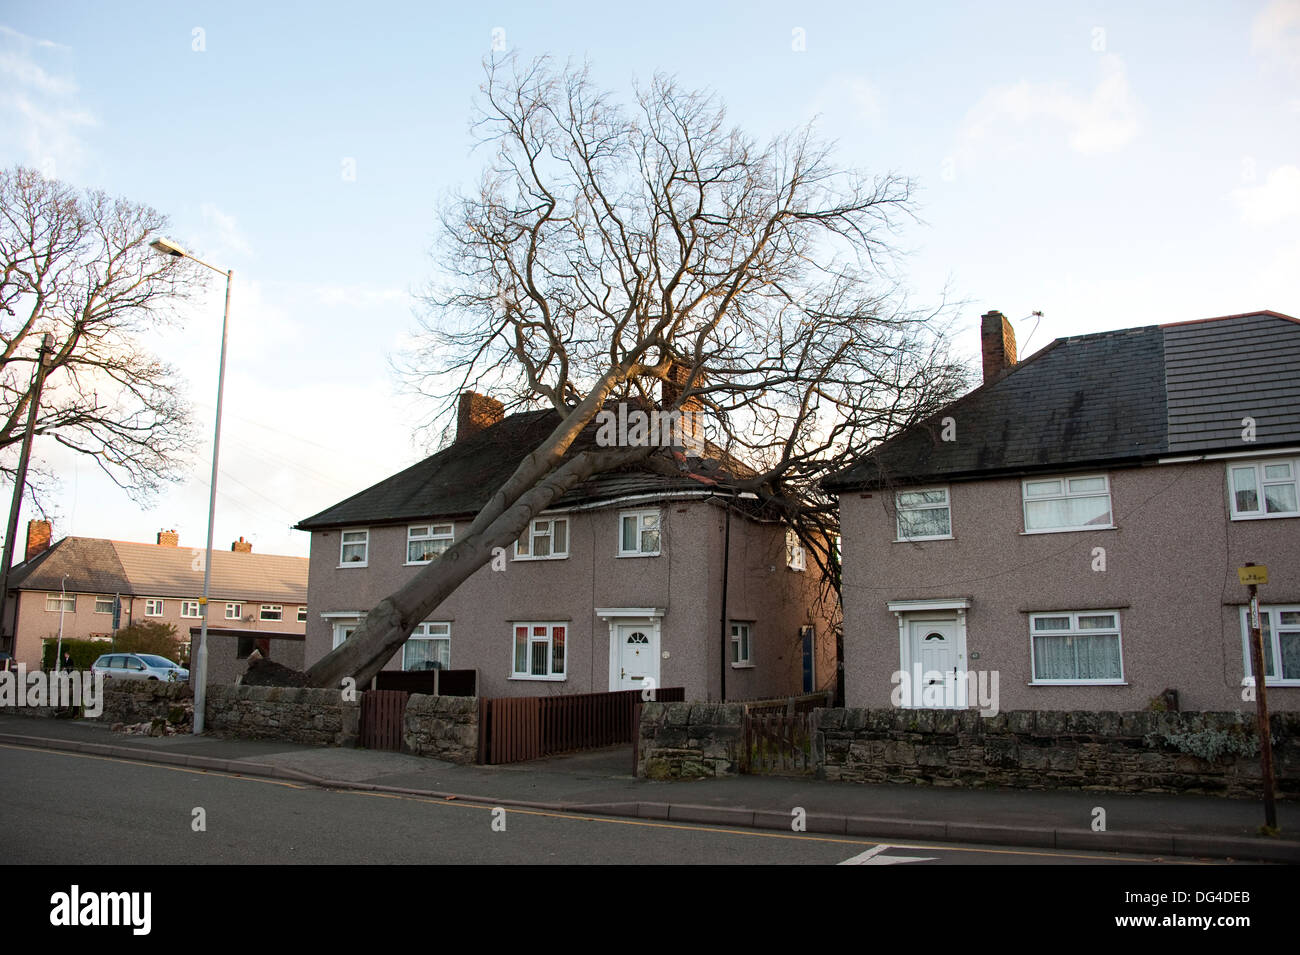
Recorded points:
(630, 578)
(1076, 523)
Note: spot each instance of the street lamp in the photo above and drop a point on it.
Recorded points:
(167, 247)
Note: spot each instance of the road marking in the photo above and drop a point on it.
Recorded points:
(873, 857)
(149, 765)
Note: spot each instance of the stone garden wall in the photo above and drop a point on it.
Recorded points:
(444, 727)
(296, 714)
(1214, 753)
(690, 740)
(148, 706)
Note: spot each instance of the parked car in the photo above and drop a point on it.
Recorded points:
(139, 666)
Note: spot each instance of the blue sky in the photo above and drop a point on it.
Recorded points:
(1105, 165)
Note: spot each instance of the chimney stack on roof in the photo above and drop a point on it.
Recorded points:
(475, 413)
(242, 546)
(38, 538)
(168, 539)
(997, 343)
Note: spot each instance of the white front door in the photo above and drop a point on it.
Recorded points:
(637, 656)
(934, 665)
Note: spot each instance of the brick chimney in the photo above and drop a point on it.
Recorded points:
(38, 537)
(997, 343)
(168, 539)
(692, 408)
(242, 546)
(475, 413)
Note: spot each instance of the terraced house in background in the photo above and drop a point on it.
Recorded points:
(632, 577)
(259, 601)
(1075, 524)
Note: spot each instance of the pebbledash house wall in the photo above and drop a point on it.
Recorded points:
(1170, 573)
(684, 580)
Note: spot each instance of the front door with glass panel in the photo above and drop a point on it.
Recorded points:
(638, 656)
(933, 665)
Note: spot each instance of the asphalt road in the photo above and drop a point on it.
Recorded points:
(76, 809)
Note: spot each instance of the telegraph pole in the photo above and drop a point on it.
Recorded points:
(1252, 575)
(20, 479)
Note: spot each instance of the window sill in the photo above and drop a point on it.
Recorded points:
(1071, 530)
(353, 564)
(1077, 683)
(419, 563)
(550, 557)
(1263, 517)
(742, 666)
(920, 540)
(655, 554)
(1270, 684)
(539, 679)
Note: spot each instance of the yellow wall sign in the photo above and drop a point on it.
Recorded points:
(1252, 575)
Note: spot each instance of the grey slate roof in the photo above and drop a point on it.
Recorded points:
(97, 566)
(1109, 399)
(457, 481)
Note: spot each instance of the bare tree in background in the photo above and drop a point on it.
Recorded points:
(607, 253)
(79, 266)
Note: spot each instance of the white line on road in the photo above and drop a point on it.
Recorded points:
(873, 857)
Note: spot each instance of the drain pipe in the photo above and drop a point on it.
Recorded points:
(726, 631)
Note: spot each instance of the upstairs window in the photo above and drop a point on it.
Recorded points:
(546, 539)
(103, 605)
(1066, 503)
(354, 549)
(234, 611)
(271, 612)
(794, 556)
(923, 514)
(638, 533)
(62, 602)
(302, 614)
(1264, 489)
(742, 649)
(424, 542)
(153, 607)
(190, 608)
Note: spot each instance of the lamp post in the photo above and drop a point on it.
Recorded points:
(167, 247)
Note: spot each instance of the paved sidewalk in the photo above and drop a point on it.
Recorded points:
(602, 783)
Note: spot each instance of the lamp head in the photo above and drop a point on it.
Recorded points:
(168, 247)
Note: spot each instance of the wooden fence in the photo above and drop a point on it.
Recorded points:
(432, 682)
(514, 729)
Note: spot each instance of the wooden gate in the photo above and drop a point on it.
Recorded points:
(381, 719)
(778, 744)
(514, 729)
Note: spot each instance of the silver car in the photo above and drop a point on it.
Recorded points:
(139, 666)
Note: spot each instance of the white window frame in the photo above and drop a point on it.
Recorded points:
(794, 555)
(234, 611)
(1076, 631)
(900, 509)
(436, 631)
(637, 515)
(444, 533)
(277, 609)
(107, 600)
(154, 606)
(1064, 495)
(1262, 481)
(342, 629)
(344, 544)
(534, 638)
(1248, 678)
(186, 605)
(302, 613)
(65, 602)
(544, 528)
(742, 644)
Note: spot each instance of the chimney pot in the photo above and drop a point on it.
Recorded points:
(242, 546)
(475, 413)
(168, 539)
(997, 344)
(38, 537)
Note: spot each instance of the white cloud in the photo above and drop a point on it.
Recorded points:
(1275, 34)
(358, 296)
(1277, 199)
(1101, 121)
(38, 102)
(851, 96)
(228, 236)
